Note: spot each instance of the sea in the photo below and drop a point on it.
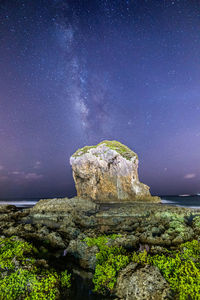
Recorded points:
(192, 201)
(189, 201)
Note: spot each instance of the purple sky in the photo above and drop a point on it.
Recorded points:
(73, 73)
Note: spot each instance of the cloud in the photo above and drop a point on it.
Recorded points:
(17, 173)
(33, 176)
(37, 164)
(190, 176)
(20, 176)
(1, 167)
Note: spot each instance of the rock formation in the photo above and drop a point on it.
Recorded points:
(143, 284)
(108, 172)
(59, 228)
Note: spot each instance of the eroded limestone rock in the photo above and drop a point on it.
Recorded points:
(108, 172)
(144, 284)
(84, 255)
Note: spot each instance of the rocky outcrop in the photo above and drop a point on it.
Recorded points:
(56, 222)
(108, 172)
(60, 227)
(144, 284)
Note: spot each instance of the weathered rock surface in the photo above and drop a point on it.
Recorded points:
(6, 208)
(64, 205)
(108, 172)
(84, 255)
(156, 225)
(59, 226)
(144, 284)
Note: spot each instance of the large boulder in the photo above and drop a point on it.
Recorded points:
(108, 172)
(143, 284)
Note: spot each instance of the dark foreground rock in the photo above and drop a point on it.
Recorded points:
(61, 223)
(60, 226)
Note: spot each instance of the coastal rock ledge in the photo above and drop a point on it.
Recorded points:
(108, 172)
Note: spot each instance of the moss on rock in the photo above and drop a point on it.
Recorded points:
(25, 277)
(117, 269)
(123, 150)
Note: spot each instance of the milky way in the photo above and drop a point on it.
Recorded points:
(73, 73)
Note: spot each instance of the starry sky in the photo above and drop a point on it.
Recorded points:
(76, 72)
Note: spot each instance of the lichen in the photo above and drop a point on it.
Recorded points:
(123, 150)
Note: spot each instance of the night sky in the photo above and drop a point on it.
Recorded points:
(73, 73)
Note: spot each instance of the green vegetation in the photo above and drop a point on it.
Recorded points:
(114, 145)
(196, 223)
(110, 260)
(181, 268)
(65, 279)
(105, 276)
(100, 241)
(21, 278)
